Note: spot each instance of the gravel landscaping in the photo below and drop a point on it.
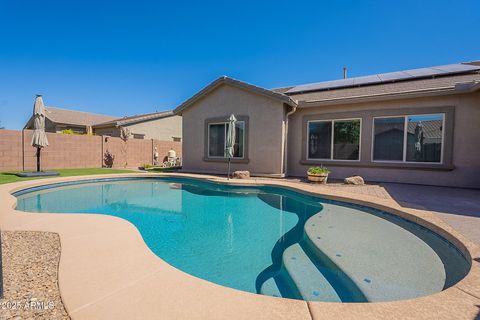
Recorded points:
(30, 276)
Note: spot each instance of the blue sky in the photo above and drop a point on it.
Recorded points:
(129, 57)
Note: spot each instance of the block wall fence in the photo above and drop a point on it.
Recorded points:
(78, 151)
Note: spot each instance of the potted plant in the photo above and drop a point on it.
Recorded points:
(318, 174)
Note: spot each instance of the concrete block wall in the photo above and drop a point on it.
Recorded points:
(64, 151)
(77, 151)
(11, 150)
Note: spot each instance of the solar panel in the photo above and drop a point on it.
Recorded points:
(365, 80)
(323, 85)
(392, 76)
(386, 77)
(424, 72)
(457, 67)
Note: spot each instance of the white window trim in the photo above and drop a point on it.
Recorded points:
(332, 140)
(405, 132)
(225, 140)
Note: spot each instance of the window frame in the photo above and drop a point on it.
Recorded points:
(332, 139)
(225, 140)
(405, 138)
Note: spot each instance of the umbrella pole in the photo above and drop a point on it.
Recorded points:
(38, 159)
(228, 173)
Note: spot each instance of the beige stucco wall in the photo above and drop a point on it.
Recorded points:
(160, 129)
(107, 131)
(264, 132)
(465, 150)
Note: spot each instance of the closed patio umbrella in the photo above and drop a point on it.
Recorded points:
(419, 140)
(39, 138)
(230, 143)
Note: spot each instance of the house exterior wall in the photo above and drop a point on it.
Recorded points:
(461, 167)
(161, 129)
(59, 128)
(111, 131)
(165, 129)
(263, 131)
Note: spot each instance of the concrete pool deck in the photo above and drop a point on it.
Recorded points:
(106, 271)
(458, 207)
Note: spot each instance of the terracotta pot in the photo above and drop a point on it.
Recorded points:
(317, 178)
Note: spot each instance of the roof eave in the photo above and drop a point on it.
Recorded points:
(104, 125)
(236, 83)
(122, 122)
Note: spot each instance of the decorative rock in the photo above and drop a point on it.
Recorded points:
(30, 266)
(241, 174)
(356, 180)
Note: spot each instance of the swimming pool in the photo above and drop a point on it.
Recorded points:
(268, 240)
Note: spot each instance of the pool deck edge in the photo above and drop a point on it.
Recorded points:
(107, 271)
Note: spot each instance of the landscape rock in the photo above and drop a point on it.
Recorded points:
(241, 175)
(30, 276)
(355, 180)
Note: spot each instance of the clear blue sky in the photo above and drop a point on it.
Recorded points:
(123, 58)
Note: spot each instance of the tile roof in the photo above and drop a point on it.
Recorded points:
(432, 129)
(136, 118)
(277, 95)
(73, 117)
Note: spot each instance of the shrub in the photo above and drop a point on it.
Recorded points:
(108, 159)
(70, 131)
(318, 170)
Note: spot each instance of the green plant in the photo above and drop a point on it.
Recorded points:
(147, 166)
(318, 170)
(70, 131)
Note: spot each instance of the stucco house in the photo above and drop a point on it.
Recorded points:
(416, 126)
(58, 120)
(158, 125)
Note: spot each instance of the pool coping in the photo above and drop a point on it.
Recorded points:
(106, 270)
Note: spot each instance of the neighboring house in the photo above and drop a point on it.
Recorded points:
(415, 126)
(58, 119)
(159, 125)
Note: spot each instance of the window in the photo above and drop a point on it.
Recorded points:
(217, 133)
(333, 139)
(138, 136)
(389, 137)
(416, 138)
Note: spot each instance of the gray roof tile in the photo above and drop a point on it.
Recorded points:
(74, 117)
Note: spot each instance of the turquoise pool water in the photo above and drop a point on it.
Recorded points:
(268, 240)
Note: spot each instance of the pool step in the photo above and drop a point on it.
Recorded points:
(270, 288)
(310, 282)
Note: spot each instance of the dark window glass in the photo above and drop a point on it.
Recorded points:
(346, 140)
(388, 138)
(239, 139)
(424, 138)
(216, 140)
(319, 140)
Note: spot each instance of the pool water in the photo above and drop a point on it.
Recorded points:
(268, 240)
